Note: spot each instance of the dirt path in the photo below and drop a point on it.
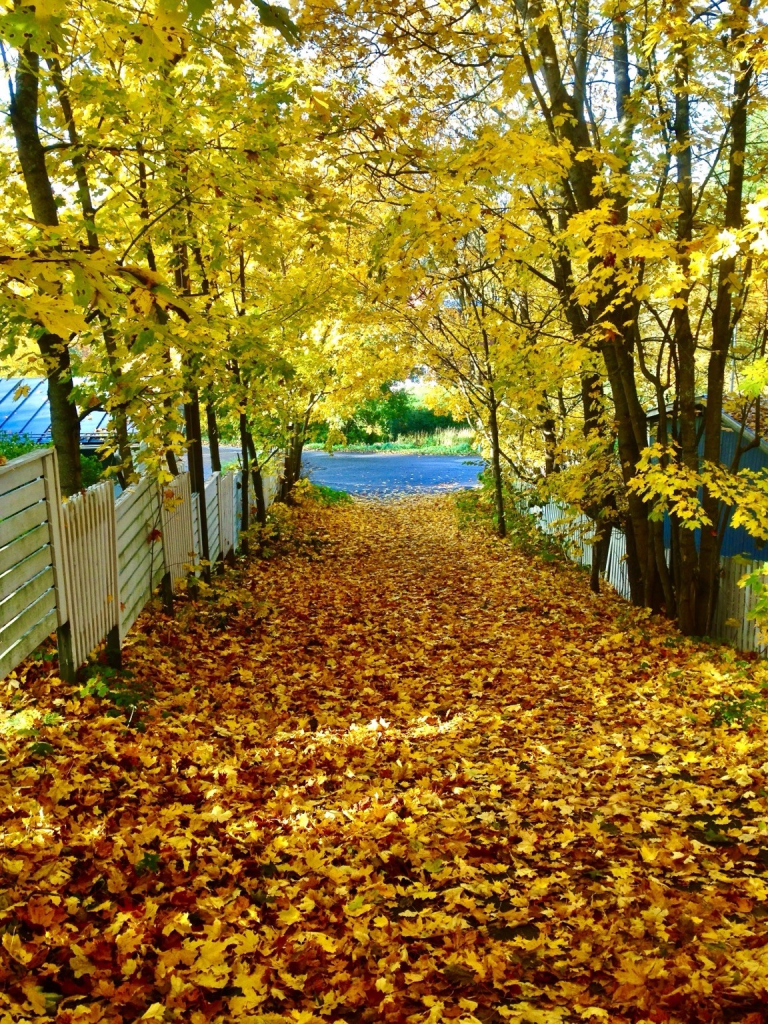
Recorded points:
(398, 773)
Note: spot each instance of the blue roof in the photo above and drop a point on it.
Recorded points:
(24, 410)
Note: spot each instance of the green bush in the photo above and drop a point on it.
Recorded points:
(12, 446)
(386, 419)
(323, 495)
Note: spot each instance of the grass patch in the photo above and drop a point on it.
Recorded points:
(440, 442)
(326, 495)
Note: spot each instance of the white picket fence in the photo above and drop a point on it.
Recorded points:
(89, 549)
(89, 566)
(734, 602)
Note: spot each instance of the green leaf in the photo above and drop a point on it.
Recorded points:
(275, 16)
(434, 867)
(198, 8)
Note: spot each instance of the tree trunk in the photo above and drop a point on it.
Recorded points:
(213, 437)
(197, 472)
(258, 483)
(244, 503)
(292, 463)
(600, 550)
(65, 424)
(498, 482)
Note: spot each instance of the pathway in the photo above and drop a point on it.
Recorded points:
(399, 773)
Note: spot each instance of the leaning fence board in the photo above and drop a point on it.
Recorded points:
(616, 566)
(237, 488)
(271, 485)
(88, 528)
(197, 547)
(178, 528)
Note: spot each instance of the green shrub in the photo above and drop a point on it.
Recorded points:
(395, 414)
(12, 446)
(323, 495)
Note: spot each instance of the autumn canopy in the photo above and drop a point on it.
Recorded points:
(239, 218)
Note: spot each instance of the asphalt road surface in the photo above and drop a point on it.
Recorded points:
(379, 473)
(387, 473)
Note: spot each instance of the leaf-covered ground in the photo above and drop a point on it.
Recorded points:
(398, 773)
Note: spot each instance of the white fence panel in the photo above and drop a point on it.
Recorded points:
(90, 549)
(139, 526)
(271, 486)
(227, 512)
(734, 604)
(212, 516)
(32, 594)
(616, 566)
(198, 550)
(178, 528)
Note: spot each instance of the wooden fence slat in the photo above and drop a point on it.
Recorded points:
(20, 471)
(140, 559)
(33, 613)
(23, 572)
(25, 596)
(22, 547)
(53, 507)
(27, 643)
(18, 525)
(30, 494)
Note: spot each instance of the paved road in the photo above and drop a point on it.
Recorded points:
(384, 473)
(380, 473)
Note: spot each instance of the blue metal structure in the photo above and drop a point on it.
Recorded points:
(736, 541)
(24, 410)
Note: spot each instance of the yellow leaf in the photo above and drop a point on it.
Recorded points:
(289, 916)
(155, 1012)
(16, 948)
